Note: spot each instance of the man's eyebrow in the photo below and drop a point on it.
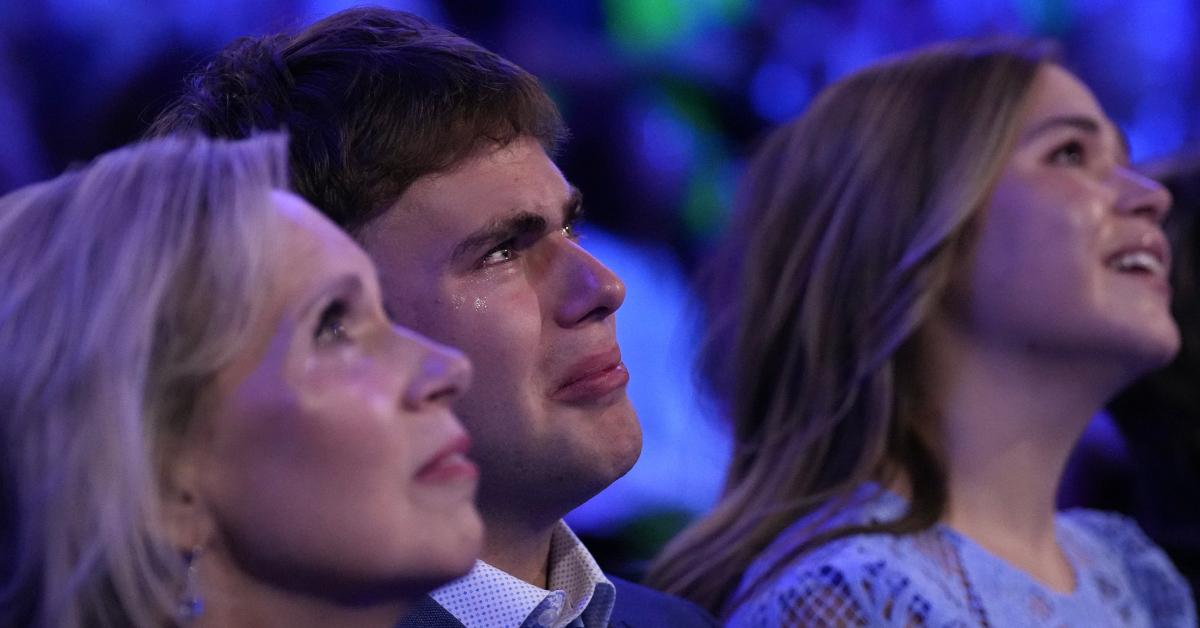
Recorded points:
(1087, 124)
(499, 230)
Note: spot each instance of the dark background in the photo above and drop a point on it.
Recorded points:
(665, 99)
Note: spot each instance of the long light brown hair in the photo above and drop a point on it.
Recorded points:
(124, 287)
(850, 222)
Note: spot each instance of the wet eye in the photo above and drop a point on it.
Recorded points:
(1069, 154)
(571, 230)
(332, 325)
(503, 253)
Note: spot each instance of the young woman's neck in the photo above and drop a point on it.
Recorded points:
(234, 599)
(1007, 420)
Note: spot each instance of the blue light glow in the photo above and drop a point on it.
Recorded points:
(779, 91)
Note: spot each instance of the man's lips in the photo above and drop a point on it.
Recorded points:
(592, 378)
(449, 463)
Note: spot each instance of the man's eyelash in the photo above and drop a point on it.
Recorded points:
(512, 246)
(571, 229)
(508, 246)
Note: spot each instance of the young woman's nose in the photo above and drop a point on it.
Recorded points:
(1142, 196)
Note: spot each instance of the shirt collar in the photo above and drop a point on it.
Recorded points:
(573, 570)
(488, 596)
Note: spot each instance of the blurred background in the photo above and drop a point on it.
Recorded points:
(665, 100)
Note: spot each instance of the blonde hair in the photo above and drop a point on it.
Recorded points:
(124, 287)
(852, 219)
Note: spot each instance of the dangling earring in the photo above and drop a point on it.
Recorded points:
(191, 604)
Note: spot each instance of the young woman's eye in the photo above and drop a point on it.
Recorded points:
(332, 325)
(1069, 154)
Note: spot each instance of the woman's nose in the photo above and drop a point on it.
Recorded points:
(1142, 196)
(441, 375)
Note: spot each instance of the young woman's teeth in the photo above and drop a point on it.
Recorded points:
(1141, 261)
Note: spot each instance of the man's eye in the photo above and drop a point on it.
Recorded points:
(332, 325)
(1069, 154)
(499, 255)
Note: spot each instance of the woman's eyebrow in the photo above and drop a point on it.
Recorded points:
(1086, 124)
(348, 284)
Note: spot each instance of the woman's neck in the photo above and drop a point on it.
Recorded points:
(1006, 422)
(234, 599)
(1005, 437)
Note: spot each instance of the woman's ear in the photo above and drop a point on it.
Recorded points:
(185, 514)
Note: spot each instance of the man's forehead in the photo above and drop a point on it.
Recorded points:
(471, 199)
(428, 230)
(439, 210)
(452, 214)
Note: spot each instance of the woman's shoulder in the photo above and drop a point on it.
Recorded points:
(864, 579)
(1116, 537)
(1108, 537)
(1115, 526)
(828, 586)
(861, 579)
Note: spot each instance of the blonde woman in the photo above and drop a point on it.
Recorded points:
(949, 265)
(205, 416)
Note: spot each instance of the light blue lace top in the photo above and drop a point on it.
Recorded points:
(940, 578)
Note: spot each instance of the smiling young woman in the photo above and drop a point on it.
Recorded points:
(949, 265)
(205, 416)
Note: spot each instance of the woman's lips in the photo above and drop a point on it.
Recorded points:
(592, 379)
(450, 463)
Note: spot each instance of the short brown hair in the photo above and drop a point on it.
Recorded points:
(373, 100)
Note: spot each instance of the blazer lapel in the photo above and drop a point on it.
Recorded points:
(427, 613)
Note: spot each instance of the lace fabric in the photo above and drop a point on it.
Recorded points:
(939, 578)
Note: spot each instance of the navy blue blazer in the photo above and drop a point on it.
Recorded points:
(636, 606)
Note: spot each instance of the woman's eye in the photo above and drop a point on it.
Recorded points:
(332, 324)
(1069, 154)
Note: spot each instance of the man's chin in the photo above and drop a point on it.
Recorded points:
(622, 441)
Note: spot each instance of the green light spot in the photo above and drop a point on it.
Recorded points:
(645, 25)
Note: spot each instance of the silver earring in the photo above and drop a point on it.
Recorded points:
(191, 604)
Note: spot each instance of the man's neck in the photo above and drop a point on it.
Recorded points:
(519, 549)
